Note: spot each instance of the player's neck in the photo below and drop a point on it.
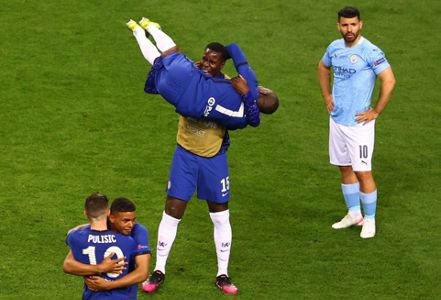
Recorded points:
(354, 43)
(99, 225)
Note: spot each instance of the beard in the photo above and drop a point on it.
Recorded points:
(350, 37)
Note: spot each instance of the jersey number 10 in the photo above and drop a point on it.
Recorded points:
(90, 252)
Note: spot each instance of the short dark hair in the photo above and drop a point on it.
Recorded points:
(348, 12)
(122, 204)
(219, 48)
(96, 204)
(268, 102)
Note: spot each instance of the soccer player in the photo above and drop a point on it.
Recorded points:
(199, 162)
(122, 217)
(194, 93)
(356, 63)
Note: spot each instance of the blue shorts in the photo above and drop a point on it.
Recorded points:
(210, 176)
(178, 81)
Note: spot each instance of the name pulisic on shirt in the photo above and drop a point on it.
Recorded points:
(102, 239)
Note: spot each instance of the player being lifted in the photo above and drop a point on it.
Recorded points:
(234, 103)
(200, 160)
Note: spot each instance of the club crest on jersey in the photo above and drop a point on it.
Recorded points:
(211, 101)
(353, 58)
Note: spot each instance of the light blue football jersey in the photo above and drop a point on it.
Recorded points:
(355, 70)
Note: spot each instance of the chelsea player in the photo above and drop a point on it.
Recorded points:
(194, 93)
(199, 164)
(356, 63)
(200, 161)
(94, 244)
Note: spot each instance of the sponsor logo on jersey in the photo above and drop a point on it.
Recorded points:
(211, 101)
(344, 72)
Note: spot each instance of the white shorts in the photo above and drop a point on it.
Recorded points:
(352, 145)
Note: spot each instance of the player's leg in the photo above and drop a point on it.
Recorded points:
(149, 51)
(361, 155)
(213, 184)
(168, 227)
(181, 186)
(163, 41)
(222, 233)
(339, 156)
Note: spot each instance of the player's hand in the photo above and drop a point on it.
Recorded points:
(96, 283)
(240, 85)
(367, 116)
(198, 64)
(329, 102)
(109, 265)
(264, 91)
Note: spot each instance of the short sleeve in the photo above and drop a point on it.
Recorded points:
(326, 58)
(141, 237)
(377, 60)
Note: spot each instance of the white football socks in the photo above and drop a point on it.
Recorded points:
(149, 51)
(222, 239)
(163, 41)
(166, 236)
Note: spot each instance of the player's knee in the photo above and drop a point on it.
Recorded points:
(364, 176)
(175, 207)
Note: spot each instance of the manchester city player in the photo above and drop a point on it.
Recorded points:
(234, 103)
(94, 243)
(355, 63)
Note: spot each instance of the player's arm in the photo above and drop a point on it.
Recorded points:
(243, 68)
(250, 106)
(74, 267)
(387, 79)
(245, 84)
(97, 283)
(324, 76)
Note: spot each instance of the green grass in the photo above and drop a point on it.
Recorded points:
(74, 119)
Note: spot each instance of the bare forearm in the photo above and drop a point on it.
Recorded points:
(136, 276)
(76, 268)
(324, 76)
(387, 87)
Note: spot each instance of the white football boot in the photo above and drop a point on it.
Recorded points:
(368, 230)
(348, 221)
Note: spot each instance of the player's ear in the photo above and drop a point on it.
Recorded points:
(85, 213)
(108, 212)
(361, 24)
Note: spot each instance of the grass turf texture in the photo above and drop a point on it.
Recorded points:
(75, 120)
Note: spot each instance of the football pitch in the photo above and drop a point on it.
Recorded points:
(75, 119)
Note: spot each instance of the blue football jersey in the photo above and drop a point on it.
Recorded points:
(355, 70)
(141, 236)
(197, 94)
(90, 247)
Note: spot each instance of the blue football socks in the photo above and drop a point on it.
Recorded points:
(369, 202)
